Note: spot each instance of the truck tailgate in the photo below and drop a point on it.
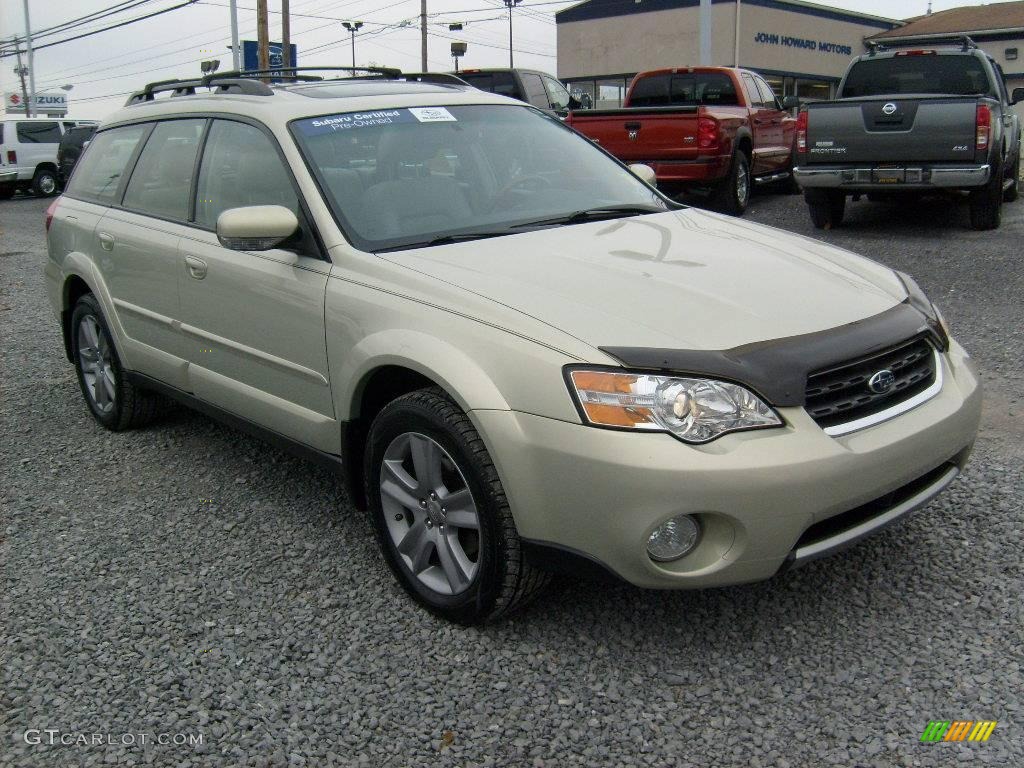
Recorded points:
(642, 135)
(910, 129)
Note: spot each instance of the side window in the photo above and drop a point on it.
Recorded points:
(767, 94)
(753, 95)
(535, 93)
(1001, 84)
(39, 133)
(558, 96)
(240, 167)
(68, 126)
(162, 178)
(97, 175)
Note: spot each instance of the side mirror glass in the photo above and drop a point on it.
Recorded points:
(1018, 96)
(645, 173)
(256, 227)
(791, 102)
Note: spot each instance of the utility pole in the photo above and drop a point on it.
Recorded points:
(510, 4)
(286, 35)
(705, 33)
(423, 35)
(236, 53)
(21, 74)
(262, 35)
(31, 62)
(352, 27)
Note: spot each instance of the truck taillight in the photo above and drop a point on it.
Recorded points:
(50, 211)
(983, 127)
(707, 132)
(801, 132)
(12, 157)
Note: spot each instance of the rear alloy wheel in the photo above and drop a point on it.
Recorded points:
(826, 206)
(987, 203)
(44, 183)
(733, 193)
(113, 400)
(440, 513)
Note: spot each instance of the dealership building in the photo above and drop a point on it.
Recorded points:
(802, 49)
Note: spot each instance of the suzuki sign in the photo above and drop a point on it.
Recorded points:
(51, 104)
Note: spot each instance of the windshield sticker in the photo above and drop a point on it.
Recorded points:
(432, 115)
(317, 126)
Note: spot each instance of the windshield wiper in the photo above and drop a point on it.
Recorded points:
(444, 240)
(592, 214)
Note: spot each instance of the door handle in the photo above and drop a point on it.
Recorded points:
(196, 267)
(106, 241)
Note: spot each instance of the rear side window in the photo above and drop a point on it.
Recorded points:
(535, 93)
(39, 133)
(98, 174)
(162, 178)
(931, 74)
(684, 90)
(240, 167)
(767, 94)
(501, 83)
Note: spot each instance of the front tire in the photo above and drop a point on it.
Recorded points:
(987, 203)
(826, 207)
(44, 183)
(440, 513)
(733, 194)
(113, 400)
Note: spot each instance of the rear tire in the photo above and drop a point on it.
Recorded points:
(114, 401)
(826, 207)
(732, 195)
(44, 183)
(987, 203)
(1013, 192)
(422, 452)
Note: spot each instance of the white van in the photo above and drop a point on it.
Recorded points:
(28, 153)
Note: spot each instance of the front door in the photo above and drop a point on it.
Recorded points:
(253, 321)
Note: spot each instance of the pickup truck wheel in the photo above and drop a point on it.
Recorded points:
(733, 194)
(44, 183)
(1013, 191)
(826, 207)
(440, 512)
(113, 400)
(987, 203)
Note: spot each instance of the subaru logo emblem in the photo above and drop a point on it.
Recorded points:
(882, 381)
(889, 108)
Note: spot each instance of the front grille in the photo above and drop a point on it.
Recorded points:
(841, 394)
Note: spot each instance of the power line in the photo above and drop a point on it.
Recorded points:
(83, 20)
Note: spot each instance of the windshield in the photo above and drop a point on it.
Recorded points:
(927, 73)
(405, 177)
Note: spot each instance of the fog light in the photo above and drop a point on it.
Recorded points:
(674, 538)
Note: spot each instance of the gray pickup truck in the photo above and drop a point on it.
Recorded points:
(913, 121)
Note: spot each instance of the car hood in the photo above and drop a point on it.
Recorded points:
(685, 279)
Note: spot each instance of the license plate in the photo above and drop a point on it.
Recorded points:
(889, 175)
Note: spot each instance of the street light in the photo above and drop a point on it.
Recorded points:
(510, 4)
(352, 27)
(458, 49)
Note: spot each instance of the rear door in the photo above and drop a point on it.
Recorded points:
(253, 321)
(137, 246)
(772, 121)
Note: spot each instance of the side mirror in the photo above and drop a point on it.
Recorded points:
(645, 173)
(791, 102)
(1017, 96)
(256, 227)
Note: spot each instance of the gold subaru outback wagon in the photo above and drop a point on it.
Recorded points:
(519, 355)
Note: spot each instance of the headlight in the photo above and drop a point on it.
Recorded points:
(694, 410)
(919, 301)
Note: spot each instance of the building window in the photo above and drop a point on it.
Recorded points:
(1011, 54)
(610, 93)
(813, 90)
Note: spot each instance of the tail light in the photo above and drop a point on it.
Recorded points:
(707, 132)
(12, 157)
(983, 127)
(50, 211)
(801, 132)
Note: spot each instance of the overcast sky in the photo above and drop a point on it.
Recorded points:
(173, 44)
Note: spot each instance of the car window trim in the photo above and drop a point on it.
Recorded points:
(129, 167)
(142, 212)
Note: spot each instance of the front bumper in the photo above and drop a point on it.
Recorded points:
(866, 178)
(599, 493)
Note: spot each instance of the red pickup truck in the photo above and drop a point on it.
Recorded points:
(699, 127)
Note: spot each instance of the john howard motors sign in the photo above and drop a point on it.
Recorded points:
(809, 44)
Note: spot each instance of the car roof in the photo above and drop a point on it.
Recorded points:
(289, 102)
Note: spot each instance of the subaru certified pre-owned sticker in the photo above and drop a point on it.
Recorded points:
(432, 114)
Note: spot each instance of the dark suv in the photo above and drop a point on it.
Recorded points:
(70, 149)
(537, 88)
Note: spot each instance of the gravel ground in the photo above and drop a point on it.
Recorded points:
(188, 581)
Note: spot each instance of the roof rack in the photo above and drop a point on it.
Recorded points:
(443, 78)
(964, 41)
(225, 82)
(292, 73)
